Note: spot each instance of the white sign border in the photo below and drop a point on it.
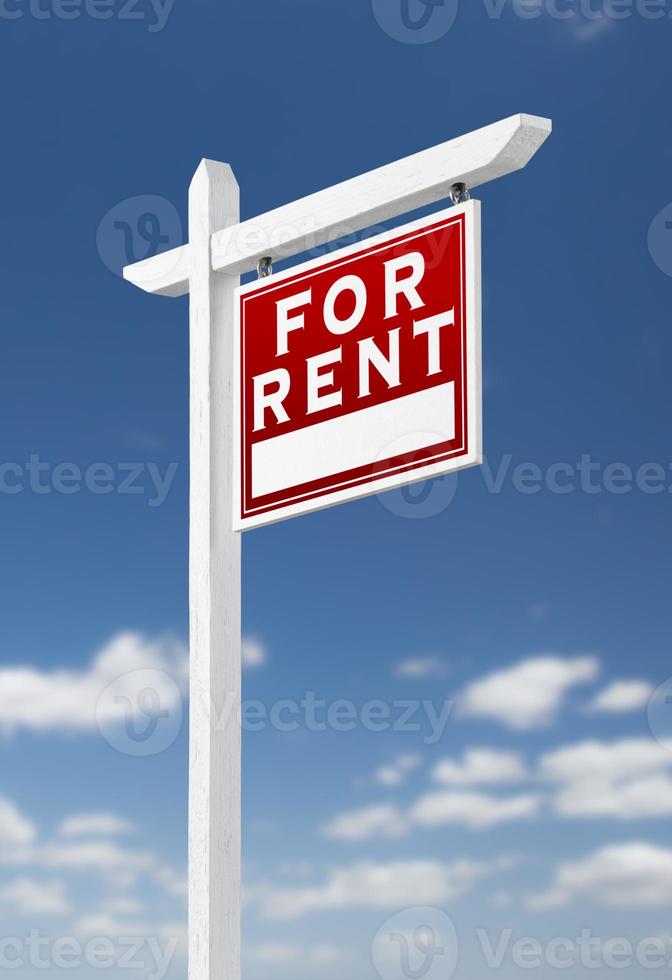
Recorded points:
(472, 333)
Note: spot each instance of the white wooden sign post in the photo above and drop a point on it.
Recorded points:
(220, 248)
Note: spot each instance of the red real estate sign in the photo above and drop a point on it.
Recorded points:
(359, 371)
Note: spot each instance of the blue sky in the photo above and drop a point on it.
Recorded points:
(543, 806)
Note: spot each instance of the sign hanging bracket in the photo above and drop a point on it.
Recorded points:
(265, 267)
(459, 193)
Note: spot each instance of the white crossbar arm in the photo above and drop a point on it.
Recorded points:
(379, 195)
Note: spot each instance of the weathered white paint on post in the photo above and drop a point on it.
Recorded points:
(387, 192)
(214, 594)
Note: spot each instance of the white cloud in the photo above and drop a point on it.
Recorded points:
(476, 810)
(626, 779)
(174, 882)
(625, 875)
(15, 828)
(374, 886)
(66, 700)
(118, 865)
(622, 696)
(604, 760)
(73, 700)
(528, 694)
(396, 772)
(501, 900)
(123, 906)
(253, 654)
(109, 925)
(420, 667)
(173, 936)
(632, 800)
(468, 809)
(119, 919)
(94, 824)
(389, 776)
(281, 953)
(374, 821)
(326, 954)
(480, 766)
(29, 897)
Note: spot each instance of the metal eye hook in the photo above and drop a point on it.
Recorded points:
(459, 193)
(265, 267)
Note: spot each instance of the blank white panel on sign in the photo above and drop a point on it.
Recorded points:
(347, 443)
